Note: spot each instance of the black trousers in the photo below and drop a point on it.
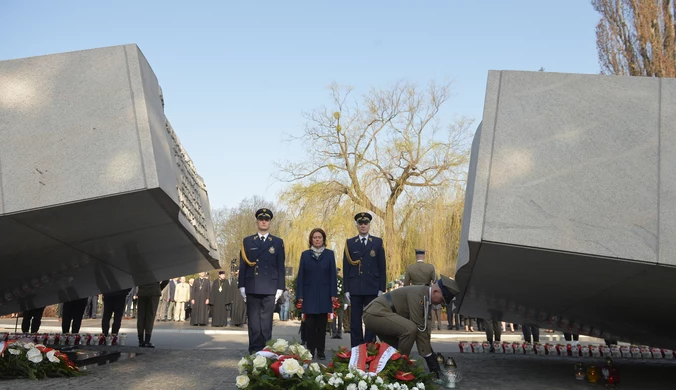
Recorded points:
(357, 335)
(145, 319)
(112, 306)
(315, 332)
(571, 337)
(493, 328)
(32, 319)
(529, 330)
(259, 309)
(73, 312)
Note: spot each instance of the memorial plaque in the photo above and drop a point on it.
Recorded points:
(96, 192)
(571, 205)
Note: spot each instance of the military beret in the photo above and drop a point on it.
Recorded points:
(419, 251)
(449, 288)
(363, 217)
(262, 213)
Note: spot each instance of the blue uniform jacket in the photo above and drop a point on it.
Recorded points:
(317, 282)
(368, 277)
(261, 265)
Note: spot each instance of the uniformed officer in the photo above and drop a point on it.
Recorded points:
(365, 275)
(399, 317)
(420, 273)
(261, 279)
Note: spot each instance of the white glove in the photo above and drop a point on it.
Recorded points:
(345, 306)
(347, 295)
(277, 295)
(242, 291)
(380, 293)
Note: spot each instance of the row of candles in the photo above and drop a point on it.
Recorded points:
(594, 350)
(67, 339)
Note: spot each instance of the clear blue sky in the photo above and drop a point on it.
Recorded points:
(237, 75)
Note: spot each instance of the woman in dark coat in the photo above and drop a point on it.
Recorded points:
(316, 288)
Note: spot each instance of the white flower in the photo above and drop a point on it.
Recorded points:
(51, 356)
(379, 380)
(242, 381)
(260, 362)
(403, 387)
(242, 365)
(421, 386)
(314, 367)
(291, 367)
(332, 381)
(319, 378)
(280, 346)
(349, 375)
(28, 345)
(351, 386)
(14, 351)
(363, 385)
(374, 387)
(34, 355)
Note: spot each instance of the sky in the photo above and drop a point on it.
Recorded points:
(237, 76)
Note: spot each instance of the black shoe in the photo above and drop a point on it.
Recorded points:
(321, 356)
(340, 337)
(149, 345)
(141, 344)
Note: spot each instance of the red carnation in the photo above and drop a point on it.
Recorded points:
(395, 356)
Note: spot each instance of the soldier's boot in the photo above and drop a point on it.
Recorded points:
(433, 365)
(140, 341)
(147, 343)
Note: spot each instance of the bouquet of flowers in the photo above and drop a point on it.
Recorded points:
(25, 359)
(279, 366)
(378, 360)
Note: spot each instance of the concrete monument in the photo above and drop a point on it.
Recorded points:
(96, 192)
(570, 215)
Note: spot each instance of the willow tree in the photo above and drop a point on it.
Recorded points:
(386, 152)
(636, 37)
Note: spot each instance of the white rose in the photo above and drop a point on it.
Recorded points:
(51, 356)
(242, 381)
(349, 375)
(291, 367)
(374, 387)
(351, 386)
(319, 378)
(421, 386)
(379, 380)
(242, 365)
(403, 387)
(14, 351)
(363, 385)
(29, 345)
(280, 346)
(260, 362)
(34, 355)
(314, 367)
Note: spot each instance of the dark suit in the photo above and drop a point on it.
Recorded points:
(363, 281)
(316, 284)
(261, 273)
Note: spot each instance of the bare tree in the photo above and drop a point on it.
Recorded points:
(636, 37)
(385, 152)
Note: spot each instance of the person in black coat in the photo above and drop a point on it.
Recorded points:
(364, 270)
(113, 304)
(148, 300)
(316, 288)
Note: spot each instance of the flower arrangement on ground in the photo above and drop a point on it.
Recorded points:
(279, 366)
(378, 361)
(25, 359)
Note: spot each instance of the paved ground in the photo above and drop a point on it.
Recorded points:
(203, 358)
